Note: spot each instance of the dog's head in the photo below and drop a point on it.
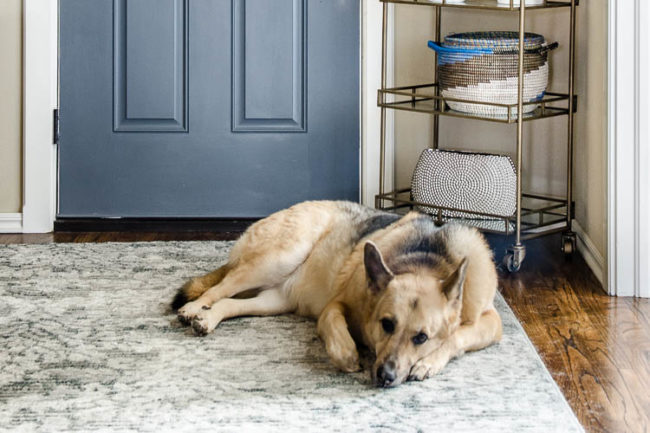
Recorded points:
(414, 311)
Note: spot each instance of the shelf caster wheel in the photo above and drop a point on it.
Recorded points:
(509, 263)
(514, 258)
(568, 243)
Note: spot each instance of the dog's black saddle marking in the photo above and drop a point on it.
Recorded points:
(426, 246)
(431, 244)
(429, 238)
(376, 222)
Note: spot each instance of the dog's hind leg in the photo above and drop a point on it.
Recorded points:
(485, 331)
(197, 286)
(264, 273)
(267, 303)
(340, 346)
(267, 254)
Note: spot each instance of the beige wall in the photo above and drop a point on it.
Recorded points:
(545, 140)
(10, 106)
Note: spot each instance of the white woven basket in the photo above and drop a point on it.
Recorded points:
(476, 182)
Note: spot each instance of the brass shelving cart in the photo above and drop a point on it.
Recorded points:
(536, 215)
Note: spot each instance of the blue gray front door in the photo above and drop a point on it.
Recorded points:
(206, 108)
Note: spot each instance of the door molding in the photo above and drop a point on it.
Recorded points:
(40, 97)
(628, 237)
(40, 94)
(370, 76)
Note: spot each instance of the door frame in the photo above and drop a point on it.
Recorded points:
(40, 98)
(628, 213)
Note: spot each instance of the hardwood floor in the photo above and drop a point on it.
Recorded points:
(596, 347)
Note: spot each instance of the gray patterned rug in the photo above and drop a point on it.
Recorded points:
(89, 344)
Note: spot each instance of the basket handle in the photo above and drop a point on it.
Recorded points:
(547, 47)
(440, 49)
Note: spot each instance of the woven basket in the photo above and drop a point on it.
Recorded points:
(476, 182)
(484, 67)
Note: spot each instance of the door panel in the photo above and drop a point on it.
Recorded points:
(150, 76)
(269, 70)
(207, 108)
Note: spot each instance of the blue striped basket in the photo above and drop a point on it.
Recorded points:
(484, 66)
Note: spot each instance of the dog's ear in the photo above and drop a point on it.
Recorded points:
(378, 273)
(452, 286)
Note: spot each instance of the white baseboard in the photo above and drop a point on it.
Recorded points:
(592, 256)
(11, 223)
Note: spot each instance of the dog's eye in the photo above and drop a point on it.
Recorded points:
(420, 338)
(388, 325)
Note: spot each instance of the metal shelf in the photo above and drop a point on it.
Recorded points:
(535, 215)
(423, 98)
(482, 4)
(540, 215)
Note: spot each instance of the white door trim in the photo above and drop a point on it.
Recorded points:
(371, 81)
(40, 63)
(40, 96)
(628, 237)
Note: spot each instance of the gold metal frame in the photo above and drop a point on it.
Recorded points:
(417, 98)
(482, 4)
(552, 214)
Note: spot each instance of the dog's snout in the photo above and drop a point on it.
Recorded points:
(386, 374)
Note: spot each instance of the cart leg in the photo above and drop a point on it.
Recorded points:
(516, 253)
(569, 237)
(514, 257)
(437, 104)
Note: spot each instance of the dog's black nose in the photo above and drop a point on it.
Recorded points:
(386, 374)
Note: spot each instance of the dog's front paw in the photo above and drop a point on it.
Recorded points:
(427, 367)
(345, 358)
(349, 364)
(190, 310)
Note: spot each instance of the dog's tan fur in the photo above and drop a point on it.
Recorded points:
(353, 268)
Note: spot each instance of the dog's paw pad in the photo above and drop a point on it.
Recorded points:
(185, 320)
(200, 326)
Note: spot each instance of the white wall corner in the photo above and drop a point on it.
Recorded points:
(643, 144)
(628, 236)
(590, 253)
(40, 66)
(11, 222)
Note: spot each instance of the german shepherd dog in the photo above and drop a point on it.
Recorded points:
(415, 294)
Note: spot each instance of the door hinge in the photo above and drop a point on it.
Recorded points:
(55, 131)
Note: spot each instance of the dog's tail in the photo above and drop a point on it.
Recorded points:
(197, 286)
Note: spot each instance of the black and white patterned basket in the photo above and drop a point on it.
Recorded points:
(476, 182)
(484, 67)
